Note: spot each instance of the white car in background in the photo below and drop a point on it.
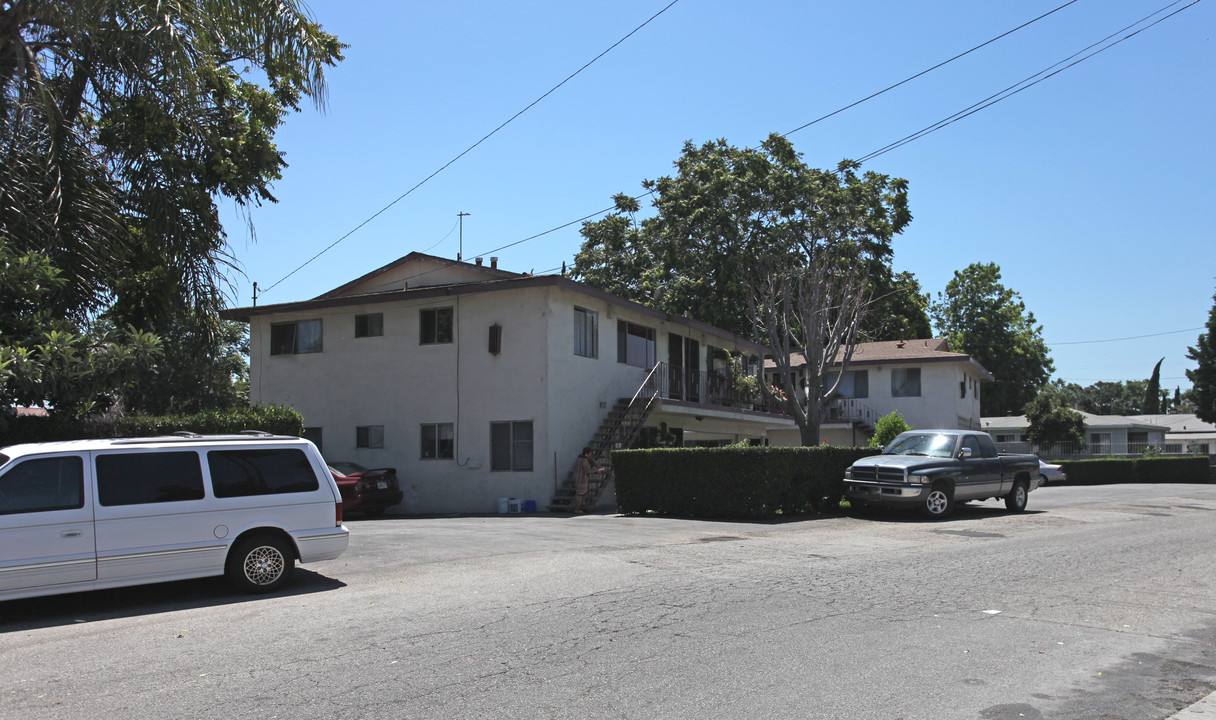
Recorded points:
(1051, 473)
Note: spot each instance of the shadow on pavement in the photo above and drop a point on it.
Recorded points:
(92, 606)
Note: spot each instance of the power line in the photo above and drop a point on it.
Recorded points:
(1133, 337)
(1026, 83)
(469, 149)
(824, 117)
(929, 70)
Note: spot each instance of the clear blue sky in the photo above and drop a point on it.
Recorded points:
(1093, 190)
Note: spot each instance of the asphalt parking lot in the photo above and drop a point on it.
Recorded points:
(1091, 604)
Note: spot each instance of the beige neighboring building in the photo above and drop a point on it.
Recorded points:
(927, 384)
(1104, 435)
(1184, 432)
(478, 384)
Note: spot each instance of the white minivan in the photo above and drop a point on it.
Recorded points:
(92, 514)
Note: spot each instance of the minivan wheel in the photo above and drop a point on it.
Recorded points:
(1015, 501)
(260, 564)
(939, 502)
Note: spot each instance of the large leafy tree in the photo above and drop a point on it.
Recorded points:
(1203, 377)
(46, 360)
(1125, 397)
(1051, 421)
(757, 242)
(899, 309)
(982, 317)
(123, 122)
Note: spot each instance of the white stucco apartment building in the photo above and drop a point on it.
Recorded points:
(477, 383)
(927, 384)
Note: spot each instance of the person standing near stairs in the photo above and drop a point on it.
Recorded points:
(583, 468)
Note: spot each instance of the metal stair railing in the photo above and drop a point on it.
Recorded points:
(618, 431)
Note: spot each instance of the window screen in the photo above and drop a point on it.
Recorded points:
(905, 382)
(511, 446)
(240, 473)
(154, 477)
(370, 325)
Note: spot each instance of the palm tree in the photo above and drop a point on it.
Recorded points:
(122, 122)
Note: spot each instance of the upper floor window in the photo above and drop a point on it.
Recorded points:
(436, 326)
(586, 333)
(854, 384)
(905, 382)
(295, 338)
(634, 344)
(369, 325)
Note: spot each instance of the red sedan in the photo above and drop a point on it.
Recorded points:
(366, 490)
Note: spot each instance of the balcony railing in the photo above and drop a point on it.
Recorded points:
(704, 387)
(714, 388)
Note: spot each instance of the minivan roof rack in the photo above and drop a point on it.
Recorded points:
(185, 437)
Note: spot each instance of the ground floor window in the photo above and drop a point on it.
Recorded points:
(369, 436)
(315, 435)
(438, 441)
(511, 446)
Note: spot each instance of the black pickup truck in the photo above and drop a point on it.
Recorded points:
(934, 469)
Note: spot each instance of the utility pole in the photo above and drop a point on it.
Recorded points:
(460, 252)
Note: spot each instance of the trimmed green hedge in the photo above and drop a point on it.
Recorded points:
(732, 482)
(277, 420)
(1137, 470)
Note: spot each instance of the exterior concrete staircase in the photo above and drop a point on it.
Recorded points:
(618, 431)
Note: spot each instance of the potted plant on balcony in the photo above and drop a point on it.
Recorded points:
(744, 383)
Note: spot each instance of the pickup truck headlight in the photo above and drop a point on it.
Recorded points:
(918, 479)
(848, 473)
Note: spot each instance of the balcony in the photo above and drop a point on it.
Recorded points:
(714, 389)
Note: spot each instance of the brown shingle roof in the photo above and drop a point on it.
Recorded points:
(890, 352)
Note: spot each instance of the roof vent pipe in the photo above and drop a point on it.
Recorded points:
(493, 263)
(478, 261)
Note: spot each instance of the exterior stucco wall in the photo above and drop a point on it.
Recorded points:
(395, 381)
(939, 405)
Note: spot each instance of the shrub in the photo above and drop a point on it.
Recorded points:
(1137, 470)
(272, 419)
(734, 482)
(887, 428)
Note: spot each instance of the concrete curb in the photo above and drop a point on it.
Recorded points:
(1205, 708)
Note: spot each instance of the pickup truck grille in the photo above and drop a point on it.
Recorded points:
(878, 473)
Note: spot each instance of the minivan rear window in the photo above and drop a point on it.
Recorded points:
(153, 477)
(240, 473)
(43, 484)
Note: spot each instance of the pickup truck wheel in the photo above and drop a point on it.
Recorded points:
(939, 502)
(1015, 501)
